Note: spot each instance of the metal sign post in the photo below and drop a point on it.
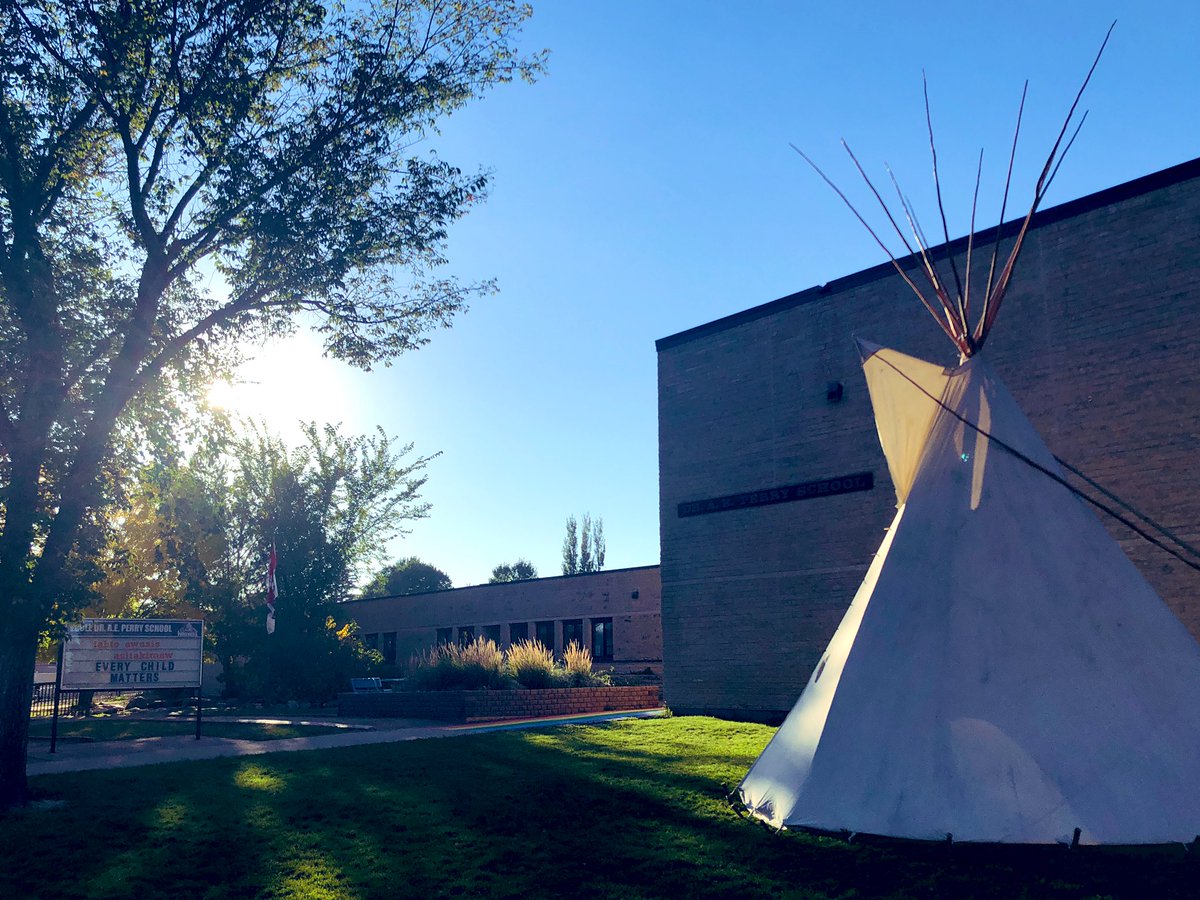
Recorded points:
(133, 654)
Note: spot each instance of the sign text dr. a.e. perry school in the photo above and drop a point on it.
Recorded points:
(111, 654)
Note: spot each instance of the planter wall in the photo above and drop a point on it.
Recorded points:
(484, 706)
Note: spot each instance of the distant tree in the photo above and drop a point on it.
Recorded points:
(598, 545)
(407, 576)
(521, 570)
(570, 556)
(586, 563)
(583, 546)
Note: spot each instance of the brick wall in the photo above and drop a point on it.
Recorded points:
(482, 706)
(1098, 341)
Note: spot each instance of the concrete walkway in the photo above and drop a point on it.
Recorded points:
(85, 756)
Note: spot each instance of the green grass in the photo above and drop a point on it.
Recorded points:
(127, 728)
(631, 809)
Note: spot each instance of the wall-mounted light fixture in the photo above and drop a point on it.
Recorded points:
(634, 595)
(833, 392)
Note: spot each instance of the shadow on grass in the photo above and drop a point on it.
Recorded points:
(127, 729)
(632, 809)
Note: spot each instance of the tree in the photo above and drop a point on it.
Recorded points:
(199, 544)
(521, 570)
(570, 553)
(583, 546)
(327, 505)
(267, 141)
(407, 576)
(598, 546)
(586, 563)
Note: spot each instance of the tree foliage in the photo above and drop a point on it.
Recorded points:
(583, 545)
(599, 548)
(407, 576)
(177, 176)
(166, 539)
(586, 563)
(194, 539)
(570, 548)
(521, 570)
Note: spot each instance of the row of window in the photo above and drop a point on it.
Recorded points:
(600, 636)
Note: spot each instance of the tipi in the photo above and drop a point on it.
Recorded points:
(1004, 673)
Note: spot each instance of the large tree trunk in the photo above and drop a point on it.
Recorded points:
(18, 653)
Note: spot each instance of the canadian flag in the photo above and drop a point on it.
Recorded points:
(272, 591)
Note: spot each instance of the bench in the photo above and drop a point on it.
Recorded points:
(365, 685)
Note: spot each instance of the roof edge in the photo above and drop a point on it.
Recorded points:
(1163, 178)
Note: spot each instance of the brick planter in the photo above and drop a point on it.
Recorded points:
(486, 706)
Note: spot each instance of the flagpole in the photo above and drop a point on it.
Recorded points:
(272, 595)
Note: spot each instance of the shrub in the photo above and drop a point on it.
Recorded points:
(577, 668)
(481, 664)
(449, 667)
(531, 664)
(577, 661)
(432, 669)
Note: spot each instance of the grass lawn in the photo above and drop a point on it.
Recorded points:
(625, 810)
(127, 728)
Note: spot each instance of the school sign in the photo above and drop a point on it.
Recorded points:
(111, 654)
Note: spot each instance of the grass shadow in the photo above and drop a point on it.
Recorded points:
(630, 809)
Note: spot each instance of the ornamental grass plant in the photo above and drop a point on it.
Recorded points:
(531, 664)
(577, 665)
(433, 669)
(482, 664)
(449, 667)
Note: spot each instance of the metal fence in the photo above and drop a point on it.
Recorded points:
(70, 703)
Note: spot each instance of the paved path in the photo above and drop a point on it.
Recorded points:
(83, 756)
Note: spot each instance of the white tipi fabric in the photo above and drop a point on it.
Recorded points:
(1004, 673)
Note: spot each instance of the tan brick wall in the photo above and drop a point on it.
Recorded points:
(1098, 340)
(637, 625)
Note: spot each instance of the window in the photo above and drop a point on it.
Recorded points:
(518, 631)
(371, 641)
(445, 636)
(572, 632)
(602, 639)
(389, 648)
(466, 634)
(492, 633)
(544, 632)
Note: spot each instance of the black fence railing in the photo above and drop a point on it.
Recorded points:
(70, 703)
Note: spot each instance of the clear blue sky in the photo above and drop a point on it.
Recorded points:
(645, 185)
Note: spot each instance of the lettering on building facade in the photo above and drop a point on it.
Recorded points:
(788, 493)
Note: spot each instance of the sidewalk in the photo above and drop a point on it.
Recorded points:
(83, 756)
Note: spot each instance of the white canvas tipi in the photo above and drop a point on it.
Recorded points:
(1004, 673)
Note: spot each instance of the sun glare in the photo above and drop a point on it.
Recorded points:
(286, 383)
(222, 394)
